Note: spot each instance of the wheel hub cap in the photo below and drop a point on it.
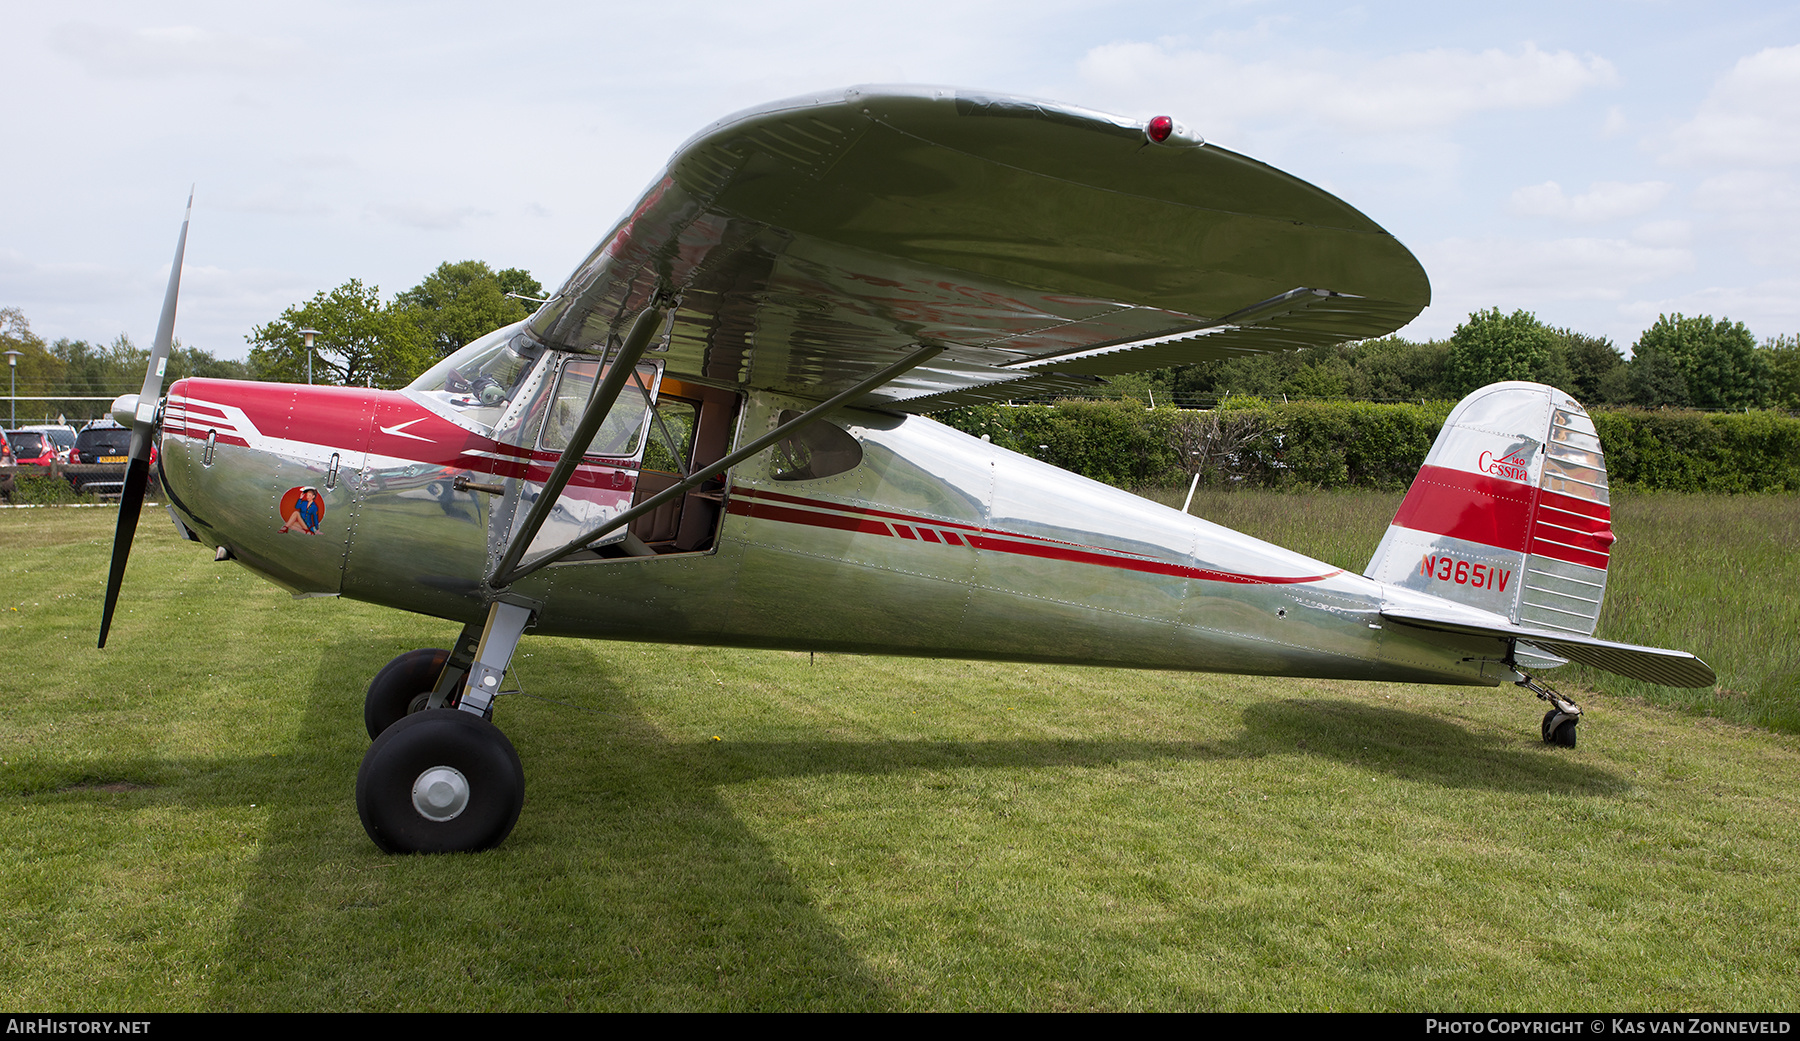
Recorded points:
(441, 793)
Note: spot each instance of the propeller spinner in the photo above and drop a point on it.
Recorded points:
(142, 409)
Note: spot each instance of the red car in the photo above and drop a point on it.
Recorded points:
(31, 448)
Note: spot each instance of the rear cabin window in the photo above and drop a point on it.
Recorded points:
(671, 435)
(817, 450)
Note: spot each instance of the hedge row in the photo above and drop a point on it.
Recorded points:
(1348, 444)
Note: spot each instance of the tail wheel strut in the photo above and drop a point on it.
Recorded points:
(1560, 722)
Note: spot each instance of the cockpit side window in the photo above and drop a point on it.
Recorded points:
(477, 383)
(621, 434)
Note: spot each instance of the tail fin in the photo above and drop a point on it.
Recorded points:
(1509, 513)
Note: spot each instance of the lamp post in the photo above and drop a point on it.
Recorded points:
(12, 366)
(309, 334)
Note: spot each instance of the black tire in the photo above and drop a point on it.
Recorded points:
(1560, 734)
(440, 740)
(396, 688)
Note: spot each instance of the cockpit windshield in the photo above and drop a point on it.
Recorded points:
(476, 383)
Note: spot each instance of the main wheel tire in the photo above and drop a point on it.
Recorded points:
(395, 690)
(440, 781)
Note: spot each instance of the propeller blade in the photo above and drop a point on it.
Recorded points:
(143, 432)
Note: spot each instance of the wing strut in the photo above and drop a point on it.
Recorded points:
(600, 402)
(506, 578)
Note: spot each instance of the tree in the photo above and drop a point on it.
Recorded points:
(1655, 379)
(460, 302)
(73, 367)
(80, 369)
(1594, 368)
(1394, 369)
(1783, 354)
(1490, 347)
(193, 361)
(1717, 361)
(361, 342)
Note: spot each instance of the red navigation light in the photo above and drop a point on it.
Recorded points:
(1160, 128)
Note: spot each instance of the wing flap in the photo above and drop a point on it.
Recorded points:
(1035, 385)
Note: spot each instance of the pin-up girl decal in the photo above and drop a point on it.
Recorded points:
(301, 510)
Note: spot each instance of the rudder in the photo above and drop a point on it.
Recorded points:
(1510, 512)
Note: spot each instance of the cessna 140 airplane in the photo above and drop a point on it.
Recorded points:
(713, 433)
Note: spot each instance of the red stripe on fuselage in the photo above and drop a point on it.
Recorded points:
(384, 423)
(858, 519)
(770, 511)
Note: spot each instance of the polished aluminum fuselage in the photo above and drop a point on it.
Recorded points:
(937, 544)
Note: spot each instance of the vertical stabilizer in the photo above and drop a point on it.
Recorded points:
(1509, 513)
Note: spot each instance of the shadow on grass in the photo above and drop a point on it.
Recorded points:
(1419, 747)
(630, 887)
(630, 883)
(1405, 744)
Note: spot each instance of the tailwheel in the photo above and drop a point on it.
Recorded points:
(440, 781)
(1559, 729)
(1559, 723)
(402, 687)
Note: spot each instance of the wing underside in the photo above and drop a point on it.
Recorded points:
(814, 241)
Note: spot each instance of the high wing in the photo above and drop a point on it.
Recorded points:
(809, 244)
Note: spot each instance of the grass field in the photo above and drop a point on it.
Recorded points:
(719, 829)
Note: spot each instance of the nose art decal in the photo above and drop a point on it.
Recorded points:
(301, 511)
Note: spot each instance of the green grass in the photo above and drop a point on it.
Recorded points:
(1716, 575)
(721, 829)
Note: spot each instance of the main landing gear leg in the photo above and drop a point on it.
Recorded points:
(499, 638)
(456, 670)
(418, 680)
(1560, 721)
(445, 780)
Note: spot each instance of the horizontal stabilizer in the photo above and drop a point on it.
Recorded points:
(1650, 664)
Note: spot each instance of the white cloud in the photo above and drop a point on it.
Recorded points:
(1605, 200)
(1664, 233)
(1754, 194)
(278, 200)
(1763, 206)
(1752, 115)
(1399, 93)
(1768, 308)
(1615, 122)
(426, 216)
(1497, 271)
(161, 51)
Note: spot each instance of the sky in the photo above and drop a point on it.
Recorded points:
(1597, 164)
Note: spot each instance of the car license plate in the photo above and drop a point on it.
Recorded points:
(112, 459)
